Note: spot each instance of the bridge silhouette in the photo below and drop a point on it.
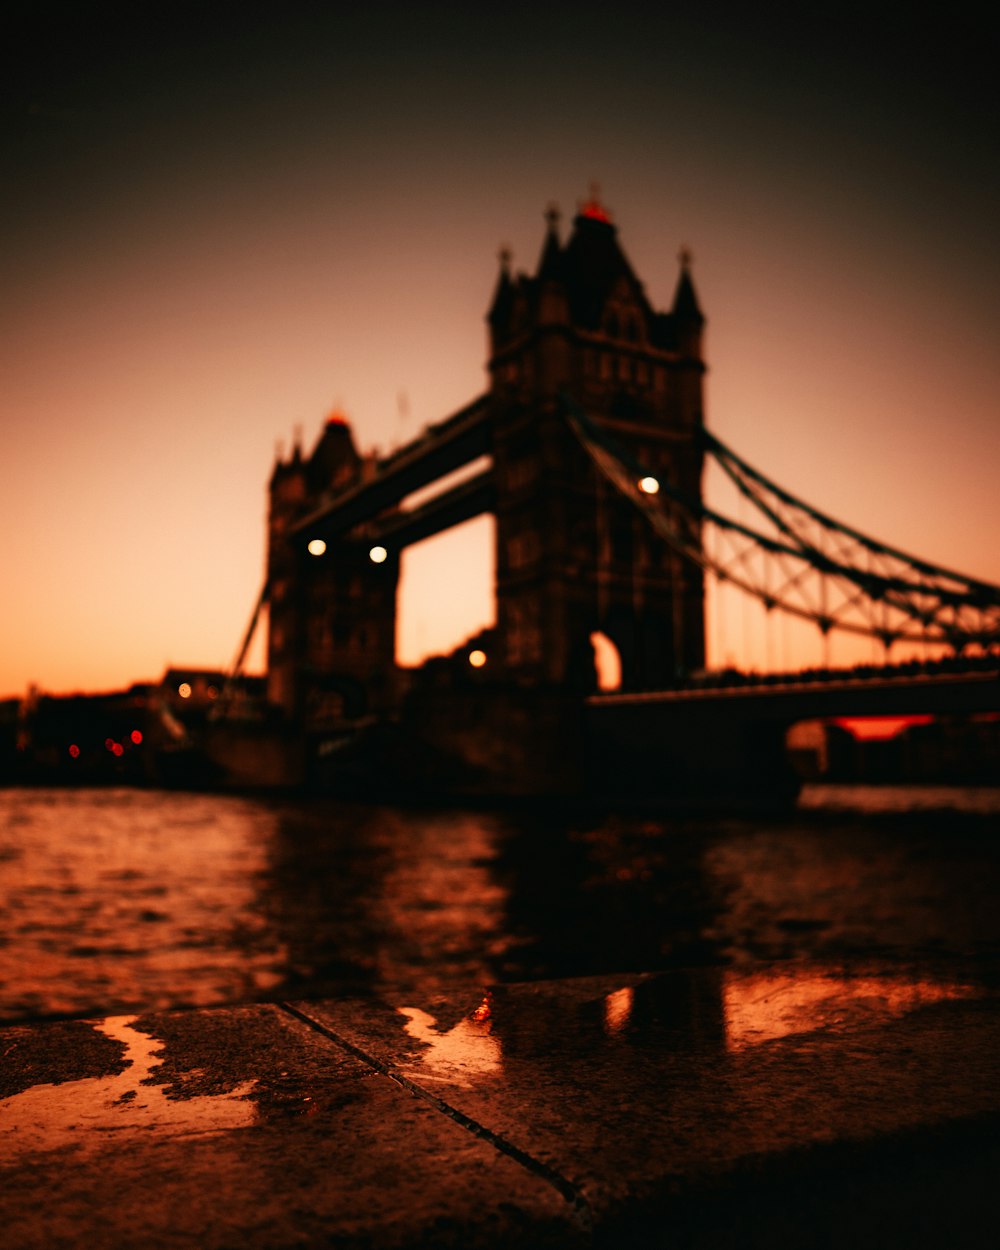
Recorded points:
(588, 448)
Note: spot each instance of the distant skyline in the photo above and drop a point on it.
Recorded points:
(218, 228)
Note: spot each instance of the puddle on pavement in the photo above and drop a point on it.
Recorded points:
(709, 1011)
(734, 1010)
(618, 1010)
(463, 1054)
(763, 1007)
(99, 1111)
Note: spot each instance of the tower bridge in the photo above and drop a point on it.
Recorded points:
(588, 448)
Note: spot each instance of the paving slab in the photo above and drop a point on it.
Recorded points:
(796, 1105)
(242, 1128)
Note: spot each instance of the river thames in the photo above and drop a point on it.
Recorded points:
(127, 899)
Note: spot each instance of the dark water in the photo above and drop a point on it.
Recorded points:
(117, 900)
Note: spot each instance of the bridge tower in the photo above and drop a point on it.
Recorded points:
(332, 612)
(574, 556)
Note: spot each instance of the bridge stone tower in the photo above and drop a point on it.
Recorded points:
(331, 639)
(573, 555)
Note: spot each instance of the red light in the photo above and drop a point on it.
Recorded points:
(594, 209)
(74, 751)
(136, 736)
(880, 728)
(109, 744)
(118, 749)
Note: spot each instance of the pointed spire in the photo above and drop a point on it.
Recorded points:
(549, 263)
(503, 294)
(685, 300)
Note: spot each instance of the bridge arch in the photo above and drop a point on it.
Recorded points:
(607, 662)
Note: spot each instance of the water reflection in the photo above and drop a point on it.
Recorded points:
(95, 1112)
(127, 899)
(618, 1009)
(604, 894)
(383, 901)
(709, 1012)
(761, 1007)
(458, 1056)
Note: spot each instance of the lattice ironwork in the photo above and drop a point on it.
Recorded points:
(800, 560)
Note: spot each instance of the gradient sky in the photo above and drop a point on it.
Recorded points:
(218, 228)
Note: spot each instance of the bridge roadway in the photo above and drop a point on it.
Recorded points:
(706, 742)
(812, 699)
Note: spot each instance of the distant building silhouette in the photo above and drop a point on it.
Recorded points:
(573, 558)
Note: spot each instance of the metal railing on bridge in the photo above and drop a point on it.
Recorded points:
(798, 559)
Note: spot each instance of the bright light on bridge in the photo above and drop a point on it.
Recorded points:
(477, 658)
(378, 555)
(316, 547)
(648, 485)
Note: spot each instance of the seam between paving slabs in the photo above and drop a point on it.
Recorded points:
(564, 1187)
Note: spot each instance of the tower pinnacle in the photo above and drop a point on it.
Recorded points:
(593, 208)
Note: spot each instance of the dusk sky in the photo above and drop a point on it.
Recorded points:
(218, 229)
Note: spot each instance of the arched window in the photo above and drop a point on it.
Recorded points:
(607, 662)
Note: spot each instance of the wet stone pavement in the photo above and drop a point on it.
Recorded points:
(693, 1108)
(631, 1035)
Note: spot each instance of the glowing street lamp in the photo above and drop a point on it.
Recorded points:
(648, 485)
(316, 547)
(378, 555)
(477, 658)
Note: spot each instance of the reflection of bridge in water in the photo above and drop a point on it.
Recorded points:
(588, 448)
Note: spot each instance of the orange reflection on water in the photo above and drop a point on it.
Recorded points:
(760, 1007)
(465, 1053)
(96, 1112)
(618, 1009)
(116, 898)
(483, 1012)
